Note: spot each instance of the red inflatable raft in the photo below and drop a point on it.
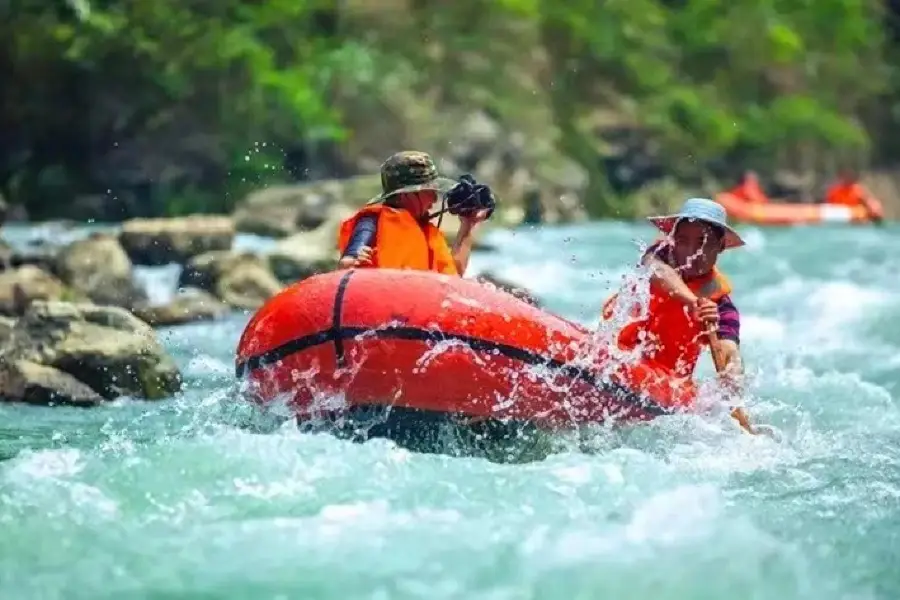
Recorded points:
(783, 213)
(435, 343)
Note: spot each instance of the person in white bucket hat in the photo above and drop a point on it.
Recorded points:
(690, 299)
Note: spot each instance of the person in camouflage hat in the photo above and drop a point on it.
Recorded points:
(394, 229)
(410, 171)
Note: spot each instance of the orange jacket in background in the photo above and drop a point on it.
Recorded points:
(846, 194)
(673, 338)
(401, 242)
(749, 191)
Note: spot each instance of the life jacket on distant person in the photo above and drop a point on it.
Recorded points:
(402, 242)
(846, 193)
(673, 339)
(749, 190)
(849, 192)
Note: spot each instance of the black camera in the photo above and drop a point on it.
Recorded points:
(468, 197)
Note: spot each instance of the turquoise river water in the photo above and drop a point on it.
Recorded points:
(177, 499)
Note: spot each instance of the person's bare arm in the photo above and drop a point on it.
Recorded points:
(465, 240)
(462, 246)
(669, 278)
(733, 380)
(733, 371)
(732, 353)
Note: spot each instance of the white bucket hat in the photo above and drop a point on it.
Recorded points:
(700, 209)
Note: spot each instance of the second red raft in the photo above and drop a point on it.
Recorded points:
(785, 213)
(435, 343)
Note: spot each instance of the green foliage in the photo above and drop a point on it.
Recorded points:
(172, 92)
(203, 98)
(711, 78)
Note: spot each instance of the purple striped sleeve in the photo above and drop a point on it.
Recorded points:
(729, 320)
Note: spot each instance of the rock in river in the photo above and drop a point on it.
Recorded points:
(188, 306)
(309, 252)
(19, 287)
(55, 346)
(98, 268)
(155, 242)
(282, 210)
(242, 280)
(34, 383)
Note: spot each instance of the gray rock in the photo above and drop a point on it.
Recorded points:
(241, 280)
(19, 287)
(98, 268)
(155, 242)
(6, 331)
(105, 347)
(279, 211)
(189, 306)
(32, 383)
(310, 252)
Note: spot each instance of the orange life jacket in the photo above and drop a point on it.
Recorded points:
(749, 191)
(673, 338)
(401, 242)
(846, 194)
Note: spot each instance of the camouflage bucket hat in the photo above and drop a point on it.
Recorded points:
(410, 171)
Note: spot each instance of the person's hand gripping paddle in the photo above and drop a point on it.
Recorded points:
(738, 413)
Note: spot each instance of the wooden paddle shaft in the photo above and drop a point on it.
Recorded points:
(716, 351)
(719, 361)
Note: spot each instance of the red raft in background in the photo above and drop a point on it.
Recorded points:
(787, 213)
(434, 343)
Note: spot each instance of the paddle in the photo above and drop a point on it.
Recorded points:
(738, 413)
